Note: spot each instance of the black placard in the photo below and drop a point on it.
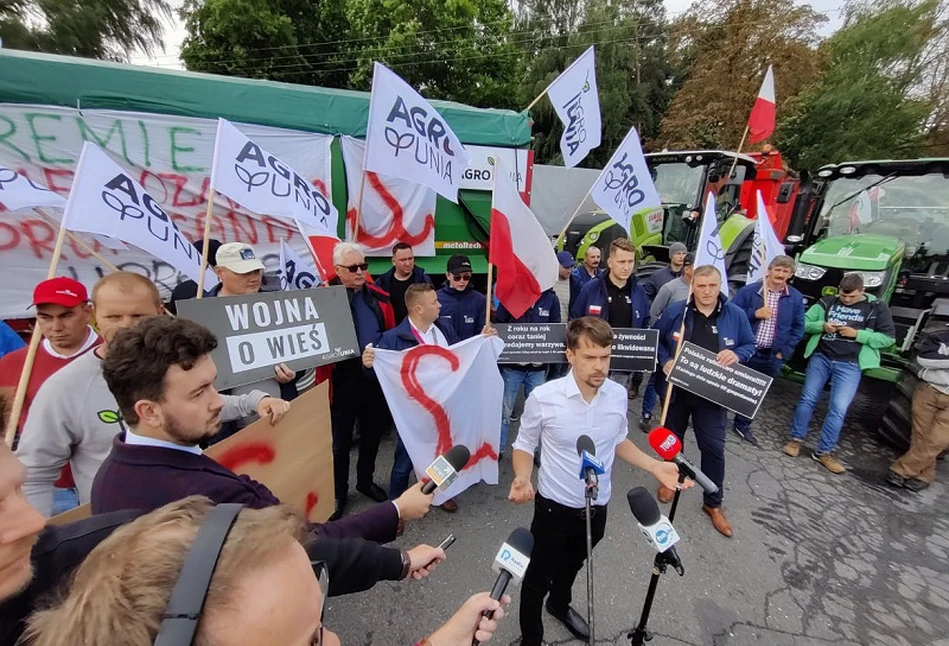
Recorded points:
(532, 342)
(634, 350)
(736, 387)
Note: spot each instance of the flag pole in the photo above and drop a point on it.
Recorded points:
(487, 300)
(20, 395)
(741, 145)
(204, 245)
(362, 187)
(668, 397)
(575, 213)
(539, 97)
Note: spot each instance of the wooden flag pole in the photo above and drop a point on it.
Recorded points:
(576, 212)
(20, 396)
(488, 299)
(362, 187)
(741, 145)
(668, 397)
(539, 97)
(204, 246)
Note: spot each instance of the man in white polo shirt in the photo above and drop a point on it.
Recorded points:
(556, 414)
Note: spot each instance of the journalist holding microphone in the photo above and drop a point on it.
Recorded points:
(555, 415)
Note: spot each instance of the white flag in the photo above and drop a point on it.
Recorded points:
(407, 138)
(18, 192)
(294, 271)
(577, 101)
(440, 397)
(766, 246)
(709, 250)
(255, 179)
(624, 187)
(106, 200)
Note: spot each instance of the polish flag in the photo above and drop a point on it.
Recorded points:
(761, 121)
(527, 265)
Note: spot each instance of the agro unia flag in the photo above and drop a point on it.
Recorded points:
(295, 271)
(407, 138)
(625, 186)
(18, 192)
(709, 250)
(766, 246)
(576, 99)
(255, 179)
(440, 397)
(106, 200)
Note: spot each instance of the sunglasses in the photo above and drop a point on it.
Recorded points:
(354, 268)
(461, 277)
(322, 575)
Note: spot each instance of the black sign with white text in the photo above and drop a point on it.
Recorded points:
(634, 350)
(532, 342)
(736, 387)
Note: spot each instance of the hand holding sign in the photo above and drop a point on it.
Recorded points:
(368, 356)
(283, 373)
(273, 408)
(726, 358)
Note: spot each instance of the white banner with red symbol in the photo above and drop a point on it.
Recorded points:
(440, 397)
(170, 156)
(393, 210)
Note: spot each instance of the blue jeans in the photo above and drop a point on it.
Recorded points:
(844, 378)
(513, 380)
(64, 500)
(650, 396)
(763, 362)
(401, 470)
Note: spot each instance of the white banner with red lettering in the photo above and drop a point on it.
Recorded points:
(170, 156)
(393, 210)
(440, 397)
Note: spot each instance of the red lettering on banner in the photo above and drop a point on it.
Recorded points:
(396, 231)
(150, 187)
(243, 226)
(40, 236)
(52, 174)
(9, 238)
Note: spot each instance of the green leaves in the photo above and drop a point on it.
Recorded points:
(108, 416)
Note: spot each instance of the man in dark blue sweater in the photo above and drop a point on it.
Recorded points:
(462, 307)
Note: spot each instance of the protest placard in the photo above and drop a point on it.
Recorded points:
(532, 342)
(634, 350)
(737, 388)
(303, 329)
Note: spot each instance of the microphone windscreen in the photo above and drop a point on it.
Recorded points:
(584, 443)
(665, 443)
(643, 506)
(458, 456)
(522, 540)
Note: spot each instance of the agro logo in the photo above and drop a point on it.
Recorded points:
(257, 170)
(575, 132)
(8, 176)
(291, 279)
(622, 179)
(425, 135)
(109, 416)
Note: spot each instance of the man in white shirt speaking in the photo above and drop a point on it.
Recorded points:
(556, 414)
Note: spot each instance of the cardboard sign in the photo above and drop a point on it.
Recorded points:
(532, 342)
(736, 387)
(303, 328)
(293, 458)
(634, 350)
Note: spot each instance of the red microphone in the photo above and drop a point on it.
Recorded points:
(665, 443)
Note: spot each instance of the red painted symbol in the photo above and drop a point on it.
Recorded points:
(396, 231)
(410, 364)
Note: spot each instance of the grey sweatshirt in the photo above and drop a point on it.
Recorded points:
(672, 292)
(73, 419)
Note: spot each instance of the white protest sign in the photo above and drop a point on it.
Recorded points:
(625, 186)
(406, 137)
(257, 180)
(106, 200)
(295, 271)
(577, 101)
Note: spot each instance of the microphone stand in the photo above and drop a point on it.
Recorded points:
(590, 493)
(641, 634)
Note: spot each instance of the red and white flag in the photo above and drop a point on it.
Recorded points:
(763, 115)
(521, 251)
(440, 397)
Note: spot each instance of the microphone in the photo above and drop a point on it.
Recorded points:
(444, 470)
(665, 443)
(590, 467)
(510, 564)
(657, 529)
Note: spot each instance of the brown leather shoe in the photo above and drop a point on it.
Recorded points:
(450, 506)
(717, 514)
(665, 494)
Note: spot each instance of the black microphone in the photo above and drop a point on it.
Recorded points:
(657, 529)
(444, 470)
(510, 564)
(590, 467)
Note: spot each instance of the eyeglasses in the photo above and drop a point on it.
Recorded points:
(354, 268)
(322, 575)
(461, 277)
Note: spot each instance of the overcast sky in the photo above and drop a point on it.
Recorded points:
(175, 32)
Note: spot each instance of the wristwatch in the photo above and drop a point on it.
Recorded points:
(406, 565)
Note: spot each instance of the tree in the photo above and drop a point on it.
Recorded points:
(870, 101)
(104, 29)
(723, 48)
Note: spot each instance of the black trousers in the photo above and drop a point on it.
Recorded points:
(708, 421)
(560, 548)
(356, 396)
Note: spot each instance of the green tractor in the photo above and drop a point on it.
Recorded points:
(888, 220)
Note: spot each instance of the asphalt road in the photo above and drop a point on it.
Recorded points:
(815, 559)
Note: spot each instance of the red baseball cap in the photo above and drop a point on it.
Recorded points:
(60, 291)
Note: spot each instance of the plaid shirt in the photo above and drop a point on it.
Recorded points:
(766, 329)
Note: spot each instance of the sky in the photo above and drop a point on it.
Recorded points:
(175, 32)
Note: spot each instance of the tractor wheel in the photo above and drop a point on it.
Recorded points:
(897, 422)
(869, 405)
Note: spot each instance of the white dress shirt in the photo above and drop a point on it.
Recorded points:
(433, 336)
(555, 415)
(140, 440)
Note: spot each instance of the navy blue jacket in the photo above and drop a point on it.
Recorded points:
(734, 331)
(660, 277)
(789, 329)
(578, 279)
(401, 338)
(463, 311)
(595, 295)
(545, 310)
(418, 277)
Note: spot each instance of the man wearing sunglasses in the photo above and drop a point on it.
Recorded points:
(462, 306)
